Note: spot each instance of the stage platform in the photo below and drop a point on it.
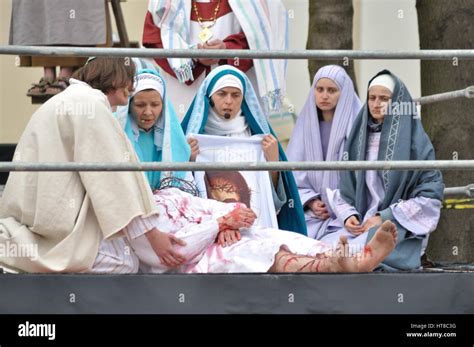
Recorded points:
(443, 289)
(439, 291)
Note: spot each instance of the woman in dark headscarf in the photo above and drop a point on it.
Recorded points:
(388, 128)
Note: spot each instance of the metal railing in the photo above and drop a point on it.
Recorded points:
(263, 54)
(428, 54)
(462, 93)
(466, 191)
(252, 54)
(244, 166)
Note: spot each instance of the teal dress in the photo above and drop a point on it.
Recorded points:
(147, 152)
(164, 142)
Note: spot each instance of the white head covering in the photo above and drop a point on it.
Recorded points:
(235, 127)
(146, 81)
(384, 80)
(227, 81)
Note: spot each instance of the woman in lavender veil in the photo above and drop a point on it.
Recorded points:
(320, 134)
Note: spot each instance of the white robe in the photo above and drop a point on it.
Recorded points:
(67, 214)
(194, 220)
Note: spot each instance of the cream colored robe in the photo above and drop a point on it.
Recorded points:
(67, 214)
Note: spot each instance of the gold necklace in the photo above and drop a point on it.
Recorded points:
(206, 33)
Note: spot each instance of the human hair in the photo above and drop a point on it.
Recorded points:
(107, 73)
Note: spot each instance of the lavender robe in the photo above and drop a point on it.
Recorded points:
(306, 145)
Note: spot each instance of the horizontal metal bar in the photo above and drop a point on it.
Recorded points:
(467, 191)
(294, 54)
(453, 191)
(431, 54)
(244, 166)
(462, 93)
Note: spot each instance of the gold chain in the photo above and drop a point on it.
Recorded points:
(200, 19)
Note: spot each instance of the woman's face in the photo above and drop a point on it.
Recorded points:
(227, 100)
(378, 100)
(326, 94)
(146, 108)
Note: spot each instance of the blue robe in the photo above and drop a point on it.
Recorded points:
(402, 138)
(164, 142)
(291, 216)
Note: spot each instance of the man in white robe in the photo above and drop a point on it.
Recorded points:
(65, 215)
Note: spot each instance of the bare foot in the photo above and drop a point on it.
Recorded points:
(379, 247)
(347, 262)
(339, 260)
(333, 261)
